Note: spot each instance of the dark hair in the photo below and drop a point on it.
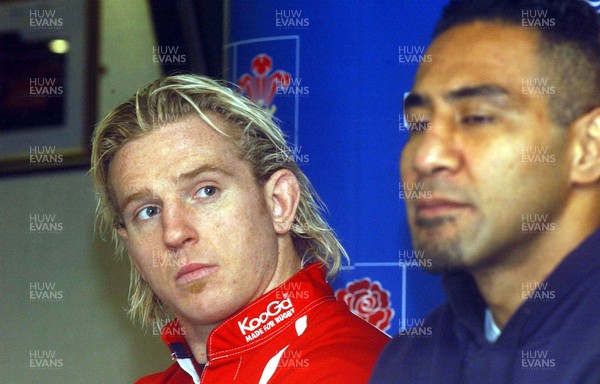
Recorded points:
(569, 44)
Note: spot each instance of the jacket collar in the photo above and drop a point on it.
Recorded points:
(469, 307)
(259, 322)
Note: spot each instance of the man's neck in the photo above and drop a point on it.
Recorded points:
(506, 285)
(196, 335)
(196, 338)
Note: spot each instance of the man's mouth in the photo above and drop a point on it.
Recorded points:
(437, 206)
(193, 272)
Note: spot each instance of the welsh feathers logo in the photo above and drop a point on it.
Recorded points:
(263, 83)
(595, 4)
(368, 301)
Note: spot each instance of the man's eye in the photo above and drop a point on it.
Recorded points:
(147, 212)
(206, 192)
(478, 119)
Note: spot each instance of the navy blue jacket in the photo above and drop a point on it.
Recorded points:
(554, 337)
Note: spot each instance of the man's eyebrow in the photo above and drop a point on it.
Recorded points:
(142, 193)
(486, 90)
(145, 192)
(414, 100)
(203, 169)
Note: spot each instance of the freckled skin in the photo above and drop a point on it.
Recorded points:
(232, 229)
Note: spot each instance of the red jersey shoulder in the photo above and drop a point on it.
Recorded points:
(337, 347)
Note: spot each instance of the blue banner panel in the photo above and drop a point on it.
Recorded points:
(335, 74)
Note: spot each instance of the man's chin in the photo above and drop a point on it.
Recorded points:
(444, 267)
(441, 256)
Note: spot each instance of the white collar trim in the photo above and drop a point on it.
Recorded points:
(492, 332)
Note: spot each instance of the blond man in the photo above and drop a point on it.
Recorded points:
(225, 236)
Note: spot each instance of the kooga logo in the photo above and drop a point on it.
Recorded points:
(273, 309)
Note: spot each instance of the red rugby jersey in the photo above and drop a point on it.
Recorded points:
(296, 333)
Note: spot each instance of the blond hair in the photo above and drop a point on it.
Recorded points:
(258, 139)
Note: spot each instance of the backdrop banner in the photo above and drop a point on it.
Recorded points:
(335, 74)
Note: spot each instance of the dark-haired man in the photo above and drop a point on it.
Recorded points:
(507, 141)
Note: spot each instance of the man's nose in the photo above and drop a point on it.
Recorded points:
(436, 150)
(178, 225)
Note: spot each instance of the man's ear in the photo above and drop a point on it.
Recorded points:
(283, 194)
(586, 159)
(122, 232)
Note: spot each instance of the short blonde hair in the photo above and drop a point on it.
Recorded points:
(258, 139)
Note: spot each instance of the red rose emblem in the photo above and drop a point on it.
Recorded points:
(368, 301)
